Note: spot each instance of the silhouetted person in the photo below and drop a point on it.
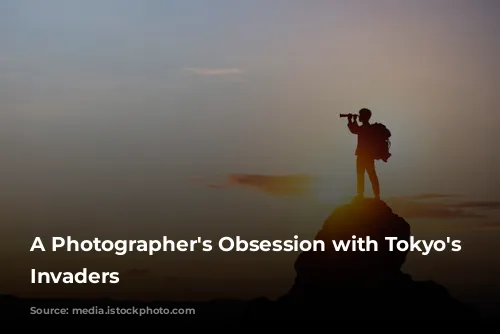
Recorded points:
(365, 160)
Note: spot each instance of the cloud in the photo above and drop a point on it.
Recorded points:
(429, 196)
(294, 184)
(276, 185)
(214, 71)
(420, 206)
(477, 204)
(489, 226)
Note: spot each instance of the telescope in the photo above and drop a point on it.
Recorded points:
(348, 115)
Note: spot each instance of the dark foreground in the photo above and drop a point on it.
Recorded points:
(331, 289)
(371, 310)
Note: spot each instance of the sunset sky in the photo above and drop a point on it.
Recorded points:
(139, 119)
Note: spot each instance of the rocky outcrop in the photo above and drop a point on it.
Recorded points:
(364, 284)
(319, 272)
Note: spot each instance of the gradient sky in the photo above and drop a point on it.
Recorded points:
(108, 108)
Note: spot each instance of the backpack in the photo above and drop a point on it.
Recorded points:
(381, 142)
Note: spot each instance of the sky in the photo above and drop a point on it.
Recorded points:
(182, 118)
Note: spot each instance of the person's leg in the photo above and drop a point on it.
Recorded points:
(372, 174)
(360, 174)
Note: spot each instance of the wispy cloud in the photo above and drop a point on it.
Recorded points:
(493, 226)
(420, 206)
(208, 71)
(488, 205)
(429, 196)
(276, 185)
(435, 206)
(281, 185)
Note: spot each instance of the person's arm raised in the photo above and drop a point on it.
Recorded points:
(353, 125)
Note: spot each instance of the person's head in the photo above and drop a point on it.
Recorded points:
(365, 115)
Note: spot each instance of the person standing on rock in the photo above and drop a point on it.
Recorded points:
(365, 151)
